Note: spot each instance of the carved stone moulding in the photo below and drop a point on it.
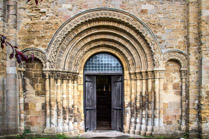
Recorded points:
(178, 56)
(38, 53)
(63, 75)
(106, 14)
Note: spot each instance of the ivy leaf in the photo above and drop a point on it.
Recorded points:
(32, 57)
(36, 2)
(11, 55)
(3, 41)
(19, 58)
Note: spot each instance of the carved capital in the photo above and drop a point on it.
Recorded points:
(144, 75)
(150, 74)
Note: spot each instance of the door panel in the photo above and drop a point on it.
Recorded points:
(90, 103)
(116, 121)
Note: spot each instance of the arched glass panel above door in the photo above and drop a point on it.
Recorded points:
(103, 63)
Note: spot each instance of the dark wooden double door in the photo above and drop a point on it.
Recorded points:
(103, 101)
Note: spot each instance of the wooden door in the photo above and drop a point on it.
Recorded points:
(90, 103)
(116, 120)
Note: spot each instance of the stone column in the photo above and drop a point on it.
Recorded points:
(194, 63)
(59, 104)
(75, 104)
(161, 76)
(157, 102)
(144, 104)
(47, 84)
(204, 67)
(127, 117)
(21, 100)
(12, 96)
(65, 105)
(149, 102)
(53, 104)
(183, 100)
(138, 103)
(71, 104)
(133, 103)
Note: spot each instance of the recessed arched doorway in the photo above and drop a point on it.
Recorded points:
(103, 93)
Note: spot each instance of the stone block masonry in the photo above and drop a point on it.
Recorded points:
(163, 46)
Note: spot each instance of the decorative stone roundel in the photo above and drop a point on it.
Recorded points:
(104, 27)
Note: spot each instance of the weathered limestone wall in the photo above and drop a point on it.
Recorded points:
(171, 99)
(194, 64)
(8, 76)
(2, 31)
(167, 19)
(204, 31)
(178, 24)
(34, 101)
(2, 66)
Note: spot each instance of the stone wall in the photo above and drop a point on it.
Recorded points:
(167, 19)
(2, 66)
(34, 103)
(171, 99)
(204, 31)
(179, 25)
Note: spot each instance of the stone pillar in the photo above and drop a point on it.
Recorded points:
(71, 104)
(133, 103)
(149, 102)
(59, 104)
(53, 104)
(193, 69)
(65, 105)
(144, 104)
(21, 100)
(75, 105)
(51, 114)
(184, 101)
(204, 88)
(157, 103)
(12, 96)
(161, 81)
(47, 84)
(127, 117)
(138, 103)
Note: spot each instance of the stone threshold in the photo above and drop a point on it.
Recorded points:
(108, 134)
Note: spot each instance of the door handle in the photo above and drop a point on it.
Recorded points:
(90, 108)
(117, 108)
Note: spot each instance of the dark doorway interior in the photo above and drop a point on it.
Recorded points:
(103, 93)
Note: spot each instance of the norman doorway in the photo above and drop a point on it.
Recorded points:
(103, 97)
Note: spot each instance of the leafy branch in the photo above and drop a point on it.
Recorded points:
(15, 52)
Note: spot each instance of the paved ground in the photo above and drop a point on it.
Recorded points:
(108, 134)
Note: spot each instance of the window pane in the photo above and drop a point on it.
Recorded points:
(103, 62)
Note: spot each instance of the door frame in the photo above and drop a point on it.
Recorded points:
(98, 74)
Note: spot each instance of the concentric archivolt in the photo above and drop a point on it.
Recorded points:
(108, 28)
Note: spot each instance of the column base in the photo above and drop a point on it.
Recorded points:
(149, 131)
(50, 130)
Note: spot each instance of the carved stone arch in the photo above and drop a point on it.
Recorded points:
(178, 56)
(127, 39)
(123, 57)
(136, 62)
(38, 53)
(136, 25)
